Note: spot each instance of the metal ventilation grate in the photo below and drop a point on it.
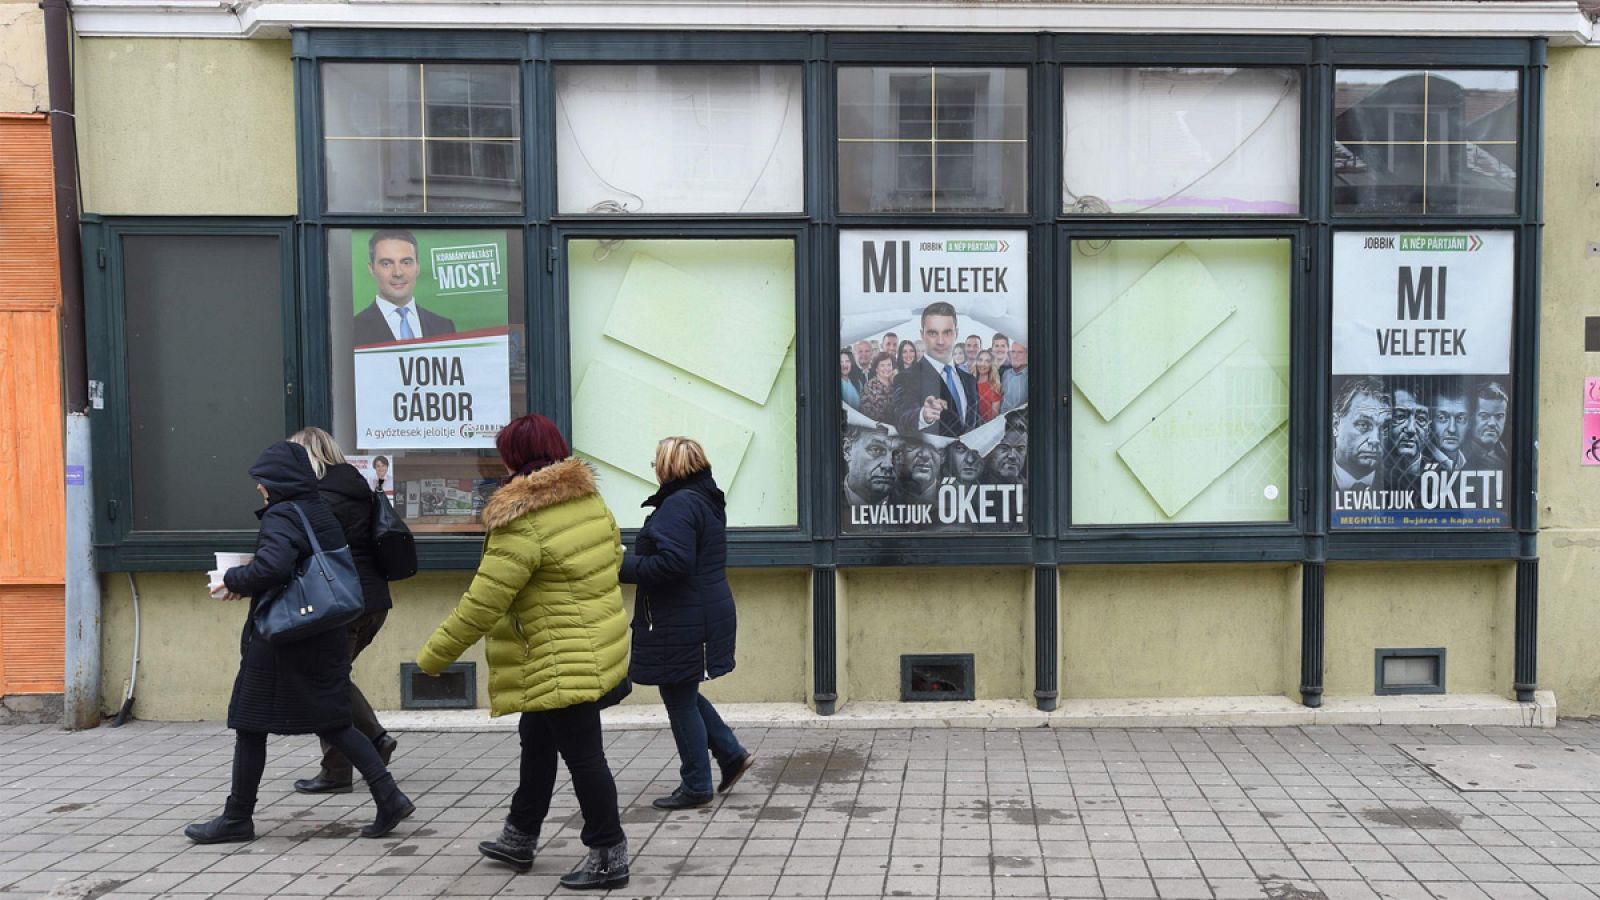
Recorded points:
(937, 676)
(455, 688)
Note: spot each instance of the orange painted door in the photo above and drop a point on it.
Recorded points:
(32, 478)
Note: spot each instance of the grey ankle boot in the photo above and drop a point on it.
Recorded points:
(602, 869)
(514, 847)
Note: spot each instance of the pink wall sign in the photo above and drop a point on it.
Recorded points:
(1591, 421)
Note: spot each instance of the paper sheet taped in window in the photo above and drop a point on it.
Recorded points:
(1146, 330)
(619, 419)
(726, 337)
(1207, 430)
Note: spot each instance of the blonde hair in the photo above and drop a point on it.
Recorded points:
(321, 447)
(679, 457)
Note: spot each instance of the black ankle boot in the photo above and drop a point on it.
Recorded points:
(394, 807)
(514, 847)
(602, 869)
(234, 826)
(385, 745)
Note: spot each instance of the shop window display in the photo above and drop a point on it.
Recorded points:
(1180, 381)
(679, 139)
(428, 363)
(686, 337)
(1212, 141)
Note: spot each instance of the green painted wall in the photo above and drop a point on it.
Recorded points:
(1178, 631)
(189, 650)
(935, 610)
(1462, 607)
(186, 127)
(1569, 516)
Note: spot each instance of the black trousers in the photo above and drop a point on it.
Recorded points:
(250, 760)
(574, 734)
(335, 766)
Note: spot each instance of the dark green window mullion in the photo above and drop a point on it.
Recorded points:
(1047, 418)
(316, 354)
(1525, 352)
(819, 441)
(1312, 341)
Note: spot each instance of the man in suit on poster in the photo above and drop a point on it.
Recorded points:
(394, 314)
(933, 396)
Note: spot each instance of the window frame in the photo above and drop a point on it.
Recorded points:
(118, 545)
(816, 541)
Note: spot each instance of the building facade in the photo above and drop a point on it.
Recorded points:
(32, 556)
(1047, 351)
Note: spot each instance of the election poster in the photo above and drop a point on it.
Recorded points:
(1421, 400)
(432, 355)
(376, 469)
(933, 379)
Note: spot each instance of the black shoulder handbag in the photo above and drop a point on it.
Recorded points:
(325, 594)
(395, 548)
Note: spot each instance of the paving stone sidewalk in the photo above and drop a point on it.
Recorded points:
(1289, 814)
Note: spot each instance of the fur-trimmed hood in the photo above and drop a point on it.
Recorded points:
(557, 483)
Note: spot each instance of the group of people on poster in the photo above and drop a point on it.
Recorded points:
(935, 439)
(868, 370)
(1389, 431)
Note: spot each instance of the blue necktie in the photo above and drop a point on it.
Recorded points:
(955, 391)
(406, 333)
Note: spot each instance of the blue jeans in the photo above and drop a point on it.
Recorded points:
(696, 727)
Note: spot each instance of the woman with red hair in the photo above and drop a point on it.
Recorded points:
(546, 596)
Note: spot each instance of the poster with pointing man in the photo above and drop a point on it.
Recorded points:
(933, 380)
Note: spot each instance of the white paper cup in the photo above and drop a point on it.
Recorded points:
(226, 561)
(214, 585)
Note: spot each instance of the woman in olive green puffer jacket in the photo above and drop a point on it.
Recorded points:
(546, 595)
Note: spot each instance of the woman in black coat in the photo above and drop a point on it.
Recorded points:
(683, 616)
(297, 688)
(345, 491)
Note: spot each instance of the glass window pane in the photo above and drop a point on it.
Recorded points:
(884, 103)
(472, 101)
(1426, 141)
(663, 139)
(693, 338)
(474, 176)
(981, 177)
(420, 395)
(366, 176)
(933, 140)
(204, 400)
(1180, 374)
(1201, 141)
(383, 154)
(371, 100)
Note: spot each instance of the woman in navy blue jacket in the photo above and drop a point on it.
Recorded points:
(683, 616)
(301, 687)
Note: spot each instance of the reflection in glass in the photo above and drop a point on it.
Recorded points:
(371, 100)
(374, 176)
(1180, 373)
(474, 176)
(1199, 141)
(679, 138)
(900, 128)
(383, 152)
(1441, 142)
(472, 101)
